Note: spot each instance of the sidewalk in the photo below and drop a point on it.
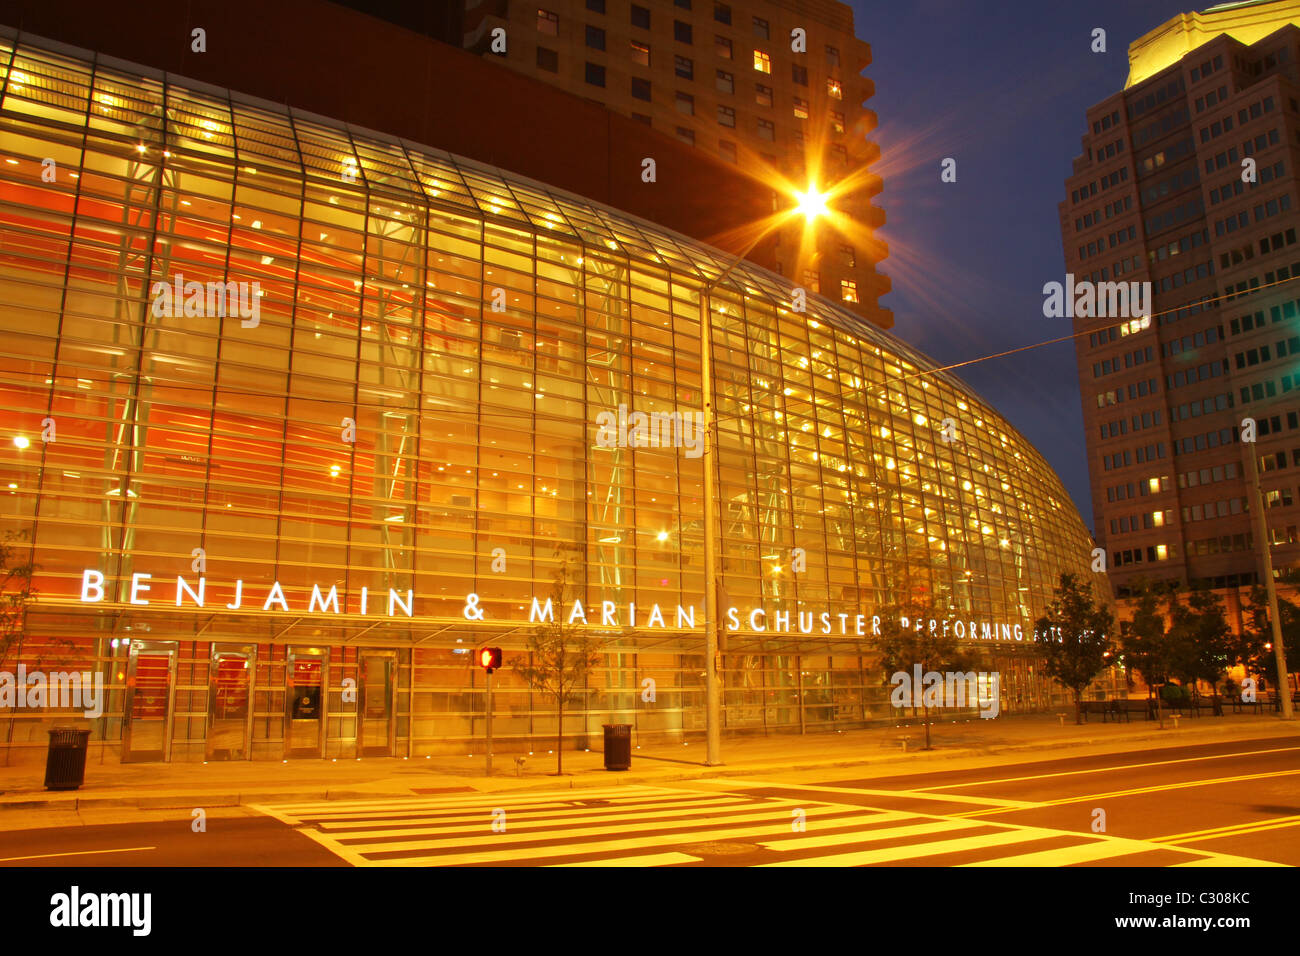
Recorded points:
(877, 752)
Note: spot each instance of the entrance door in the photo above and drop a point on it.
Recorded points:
(150, 688)
(376, 714)
(230, 687)
(305, 701)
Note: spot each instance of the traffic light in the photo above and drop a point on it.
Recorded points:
(489, 658)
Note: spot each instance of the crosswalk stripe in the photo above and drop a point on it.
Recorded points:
(530, 811)
(597, 819)
(913, 851)
(578, 849)
(905, 794)
(1222, 859)
(583, 831)
(1064, 856)
(888, 833)
(403, 803)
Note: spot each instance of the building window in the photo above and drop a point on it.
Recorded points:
(812, 280)
(833, 88)
(832, 56)
(763, 94)
(841, 154)
(766, 130)
(640, 89)
(642, 118)
(848, 290)
(686, 135)
(800, 108)
(722, 47)
(849, 257)
(762, 62)
(682, 32)
(640, 17)
(595, 74)
(727, 150)
(684, 4)
(726, 83)
(799, 74)
(761, 29)
(726, 116)
(595, 38)
(837, 121)
(548, 23)
(686, 104)
(641, 53)
(548, 60)
(685, 67)
(596, 6)
(722, 13)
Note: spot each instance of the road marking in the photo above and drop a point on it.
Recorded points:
(912, 851)
(908, 794)
(886, 833)
(1236, 829)
(1182, 785)
(1130, 766)
(648, 859)
(46, 856)
(539, 813)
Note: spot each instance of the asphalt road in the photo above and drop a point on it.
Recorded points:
(1227, 804)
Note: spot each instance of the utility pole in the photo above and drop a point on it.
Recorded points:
(1266, 564)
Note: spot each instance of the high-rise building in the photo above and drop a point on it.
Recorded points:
(737, 80)
(1187, 181)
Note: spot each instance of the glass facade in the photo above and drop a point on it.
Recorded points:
(278, 525)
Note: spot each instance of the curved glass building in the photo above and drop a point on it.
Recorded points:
(295, 416)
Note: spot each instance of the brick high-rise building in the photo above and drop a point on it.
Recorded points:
(724, 77)
(1188, 181)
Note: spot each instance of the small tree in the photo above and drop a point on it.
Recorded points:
(1146, 645)
(16, 592)
(1200, 638)
(1253, 648)
(1073, 638)
(901, 648)
(561, 656)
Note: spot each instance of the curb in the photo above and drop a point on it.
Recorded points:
(603, 779)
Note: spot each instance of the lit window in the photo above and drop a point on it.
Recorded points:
(848, 290)
(548, 22)
(834, 89)
(812, 280)
(837, 121)
(762, 62)
(800, 108)
(641, 53)
(722, 47)
(763, 95)
(726, 83)
(848, 256)
(726, 116)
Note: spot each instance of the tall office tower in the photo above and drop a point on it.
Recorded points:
(725, 78)
(1188, 181)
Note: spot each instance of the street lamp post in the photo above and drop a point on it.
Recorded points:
(1266, 562)
(811, 204)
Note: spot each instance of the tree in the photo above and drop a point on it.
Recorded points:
(1254, 646)
(16, 592)
(901, 648)
(561, 656)
(1073, 637)
(1145, 646)
(1200, 639)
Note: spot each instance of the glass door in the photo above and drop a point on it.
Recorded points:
(377, 714)
(305, 701)
(150, 688)
(230, 686)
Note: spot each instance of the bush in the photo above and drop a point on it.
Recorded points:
(1173, 694)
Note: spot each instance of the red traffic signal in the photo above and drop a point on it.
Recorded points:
(489, 658)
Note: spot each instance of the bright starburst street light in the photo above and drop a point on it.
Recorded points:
(811, 203)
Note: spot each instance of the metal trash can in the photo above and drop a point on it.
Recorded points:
(65, 762)
(618, 746)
